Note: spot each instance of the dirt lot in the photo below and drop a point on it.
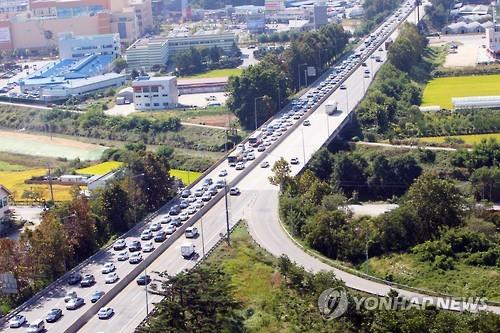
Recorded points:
(215, 120)
(470, 49)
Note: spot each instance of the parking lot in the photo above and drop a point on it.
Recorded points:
(471, 49)
(31, 67)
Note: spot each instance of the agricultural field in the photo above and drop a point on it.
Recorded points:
(467, 139)
(42, 145)
(217, 73)
(440, 91)
(14, 181)
(100, 169)
(187, 177)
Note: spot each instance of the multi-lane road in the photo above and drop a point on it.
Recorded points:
(257, 204)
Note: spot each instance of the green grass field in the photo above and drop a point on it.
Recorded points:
(468, 139)
(463, 280)
(187, 177)
(6, 166)
(100, 169)
(440, 91)
(217, 73)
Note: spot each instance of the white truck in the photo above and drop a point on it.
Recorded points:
(330, 107)
(187, 250)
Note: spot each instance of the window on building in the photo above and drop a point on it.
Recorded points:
(165, 104)
(156, 95)
(147, 104)
(156, 104)
(5, 202)
(165, 95)
(145, 89)
(154, 89)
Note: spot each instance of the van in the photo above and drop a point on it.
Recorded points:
(36, 326)
(187, 250)
(191, 232)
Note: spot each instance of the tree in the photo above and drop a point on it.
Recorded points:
(348, 172)
(324, 232)
(437, 203)
(113, 207)
(281, 170)
(486, 183)
(119, 65)
(201, 301)
(321, 164)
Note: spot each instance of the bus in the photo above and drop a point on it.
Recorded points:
(255, 139)
(235, 156)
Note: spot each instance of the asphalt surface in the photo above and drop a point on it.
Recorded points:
(257, 204)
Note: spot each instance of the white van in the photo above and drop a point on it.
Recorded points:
(187, 250)
(36, 326)
(191, 232)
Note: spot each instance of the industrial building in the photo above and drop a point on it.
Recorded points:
(38, 26)
(71, 46)
(493, 41)
(72, 77)
(155, 93)
(147, 52)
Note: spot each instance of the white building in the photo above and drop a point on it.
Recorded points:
(493, 40)
(4, 202)
(147, 52)
(71, 46)
(155, 93)
(183, 41)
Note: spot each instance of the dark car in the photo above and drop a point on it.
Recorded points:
(87, 281)
(160, 236)
(175, 210)
(143, 280)
(96, 295)
(135, 246)
(53, 315)
(74, 278)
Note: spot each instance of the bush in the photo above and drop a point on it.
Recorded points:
(431, 250)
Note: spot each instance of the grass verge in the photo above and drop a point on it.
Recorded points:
(467, 139)
(216, 73)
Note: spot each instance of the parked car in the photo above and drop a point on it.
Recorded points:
(17, 321)
(119, 245)
(96, 295)
(87, 281)
(111, 278)
(306, 123)
(53, 315)
(105, 312)
(75, 303)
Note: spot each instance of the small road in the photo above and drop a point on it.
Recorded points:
(388, 145)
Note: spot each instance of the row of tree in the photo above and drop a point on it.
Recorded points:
(70, 232)
(261, 89)
(197, 60)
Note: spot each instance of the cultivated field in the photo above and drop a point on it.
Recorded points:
(100, 169)
(41, 145)
(440, 91)
(217, 73)
(468, 139)
(14, 181)
(187, 177)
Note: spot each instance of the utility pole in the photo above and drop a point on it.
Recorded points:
(146, 289)
(227, 216)
(50, 185)
(202, 236)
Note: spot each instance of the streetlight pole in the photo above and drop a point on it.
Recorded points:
(255, 109)
(303, 146)
(227, 215)
(202, 236)
(146, 289)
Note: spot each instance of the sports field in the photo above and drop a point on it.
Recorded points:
(14, 181)
(41, 145)
(468, 139)
(440, 91)
(100, 169)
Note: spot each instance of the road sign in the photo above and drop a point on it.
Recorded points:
(311, 71)
(8, 283)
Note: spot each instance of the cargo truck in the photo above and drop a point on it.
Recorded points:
(330, 107)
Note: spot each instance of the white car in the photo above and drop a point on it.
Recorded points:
(119, 245)
(199, 204)
(294, 160)
(184, 216)
(240, 166)
(108, 268)
(135, 258)
(250, 157)
(69, 295)
(155, 226)
(122, 256)
(206, 197)
(148, 247)
(105, 313)
(146, 234)
(170, 229)
(111, 278)
(223, 173)
(17, 321)
(264, 164)
(191, 209)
